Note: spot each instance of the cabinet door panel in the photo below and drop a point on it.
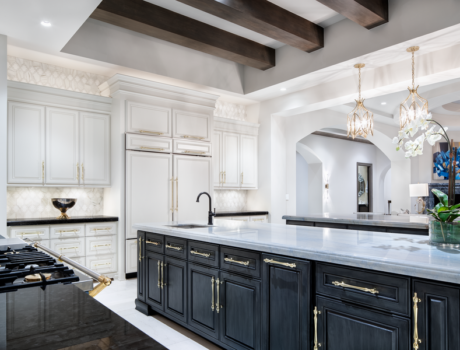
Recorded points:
(248, 161)
(231, 159)
(62, 139)
(154, 265)
(286, 303)
(192, 175)
(217, 158)
(147, 119)
(201, 292)
(95, 149)
(346, 327)
(438, 316)
(240, 313)
(176, 288)
(141, 260)
(26, 143)
(148, 188)
(191, 125)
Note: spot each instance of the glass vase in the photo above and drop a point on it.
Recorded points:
(445, 234)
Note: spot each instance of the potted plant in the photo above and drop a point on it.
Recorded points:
(443, 230)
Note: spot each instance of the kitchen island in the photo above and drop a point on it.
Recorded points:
(270, 286)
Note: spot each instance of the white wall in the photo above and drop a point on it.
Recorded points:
(3, 128)
(302, 185)
(387, 190)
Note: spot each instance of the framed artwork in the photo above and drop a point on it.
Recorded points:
(441, 156)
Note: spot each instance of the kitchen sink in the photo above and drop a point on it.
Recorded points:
(186, 226)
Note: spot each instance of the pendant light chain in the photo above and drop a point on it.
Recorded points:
(359, 85)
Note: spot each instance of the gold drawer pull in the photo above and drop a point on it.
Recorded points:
(104, 264)
(162, 275)
(102, 245)
(417, 341)
(206, 255)
(245, 263)
(68, 231)
(69, 248)
(271, 261)
(194, 152)
(218, 307)
(258, 219)
(192, 137)
(150, 132)
(368, 290)
(151, 242)
(316, 313)
(38, 233)
(152, 148)
(159, 274)
(172, 247)
(140, 249)
(212, 289)
(102, 229)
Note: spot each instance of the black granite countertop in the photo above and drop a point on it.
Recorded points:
(56, 221)
(64, 317)
(240, 213)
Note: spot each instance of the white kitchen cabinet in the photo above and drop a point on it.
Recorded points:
(192, 175)
(148, 119)
(146, 143)
(94, 149)
(192, 126)
(131, 255)
(231, 159)
(217, 176)
(102, 245)
(248, 161)
(26, 143)
(190, 147)
(70, 247)
(149, 181)
(103, 264)
(62, 165)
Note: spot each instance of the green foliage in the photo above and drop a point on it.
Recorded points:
(444, 212)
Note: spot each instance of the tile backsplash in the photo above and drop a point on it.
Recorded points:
(227, 200)
(35, 202)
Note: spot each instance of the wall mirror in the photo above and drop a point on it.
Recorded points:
(364, 187)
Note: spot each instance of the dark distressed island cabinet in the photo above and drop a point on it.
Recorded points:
(243, 299)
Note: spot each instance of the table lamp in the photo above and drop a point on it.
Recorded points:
(419, 190)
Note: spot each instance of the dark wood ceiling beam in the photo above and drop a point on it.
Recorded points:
(367, 13)
(266, 18)
(155, 21)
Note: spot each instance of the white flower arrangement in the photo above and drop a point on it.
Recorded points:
(415, 147)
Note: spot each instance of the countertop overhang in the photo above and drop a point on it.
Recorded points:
(409, 255)
(56, 221)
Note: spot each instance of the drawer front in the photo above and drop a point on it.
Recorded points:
(148, 119)
(102, 263)
(101, 229)
(259, 219)
(203, 253)
(382, 291)
(34, 233)
(191, 126)
(71, 247)
(67, 231)
(155, 243)
(101, 245)
(176, 247)
(148, 143)
(192, 147)
(240, 261)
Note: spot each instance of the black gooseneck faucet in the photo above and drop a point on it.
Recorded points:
(210, 213)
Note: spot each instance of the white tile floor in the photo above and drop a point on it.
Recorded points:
(120, 296)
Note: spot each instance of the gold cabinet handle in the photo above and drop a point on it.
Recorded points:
(242, 178)
(194, 152)
(206, 255)
(82, 172)
(218, 307)
(245, 263)
(162, 275)
(69, 248)
(271, 261)
(37, 233)
(159, 274)
(78, 171)
(225, 177)
(172, 195)
(221, 178)
(151, 242)
(68, 231)
(258, 219)
(177, 194)
(150, 132)
(104, 264)
(102, 229)
(172, 247)
(368, 290)
(316, 313)
(140, 249)
(192, 137)
(102, 245)
(43, 172)
(212, 289)
(417, 341)
(152, 148)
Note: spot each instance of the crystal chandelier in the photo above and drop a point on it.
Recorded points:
(360, 120)
(414, 106)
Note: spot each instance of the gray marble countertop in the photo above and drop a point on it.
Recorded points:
(410, 255)
(399, 221)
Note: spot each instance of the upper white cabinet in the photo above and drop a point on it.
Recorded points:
(94, 149)
(62, 165)
(26, 143)
(217, 176)
(192, 126)
(248, 161)
(148, 119)
(231, 159)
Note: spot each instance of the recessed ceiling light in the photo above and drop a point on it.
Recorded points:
(384, 103)
(283, 89)
(46, 24)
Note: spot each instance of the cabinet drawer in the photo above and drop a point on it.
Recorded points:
(148, 143)
(148, 119)
(192, 147)
(203, 253)
(154, 242)
(67, 231)
(34, 233)
(176, 247)
(191, 125)
(101, 245)
(101, 229)
(240, 261)
(103, 263)
(386, 292)
(71, 247)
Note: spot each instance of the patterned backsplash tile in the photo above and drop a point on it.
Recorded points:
(35, 202)
(230, 200)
